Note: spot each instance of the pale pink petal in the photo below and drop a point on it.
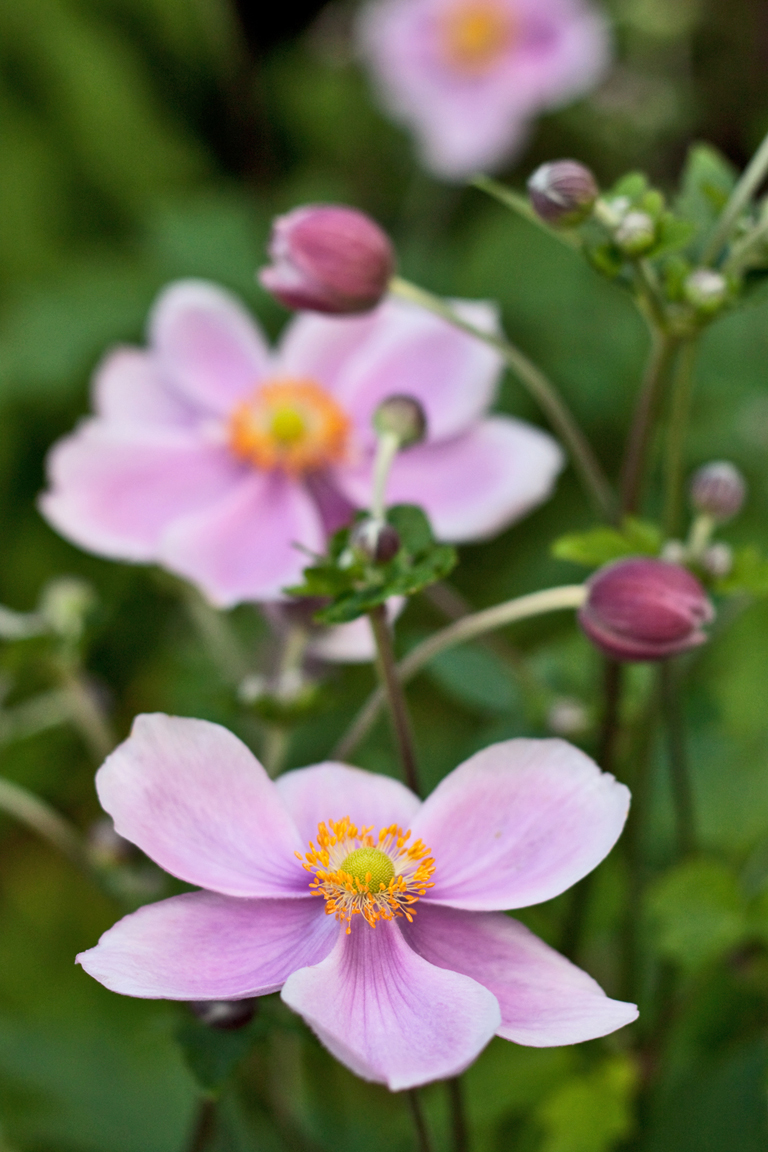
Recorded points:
(197, 801)
(130, 392)
(388, 1014)
(351, 643)
(248, 546)
(474, 485)
(207, 345)
(116, 493)
(332, 791)
(544, 999)
(203, 946)
(412, 352)
(518, 823)
(317, 347)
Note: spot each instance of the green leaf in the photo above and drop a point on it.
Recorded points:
(591, 1112)
(213, 1053)
(707, 182)
(476, 677)
(634, 186)
(698, 911)
(749, 573)
(601, 545)
(412, 525)
(672, 235)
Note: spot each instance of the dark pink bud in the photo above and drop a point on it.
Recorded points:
(563, 192)
(327, 258)
(718, 490)
(645, 609)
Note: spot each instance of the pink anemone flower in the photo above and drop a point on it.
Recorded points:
(376, 915)
(468, 76)
(221, 460)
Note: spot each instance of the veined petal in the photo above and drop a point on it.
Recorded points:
(389, 1015)
(473, 485)
(197, 801)
(207, 344)
(203, 946)
(519, 823)
(544, 999)
(331, 791)
(247, 546)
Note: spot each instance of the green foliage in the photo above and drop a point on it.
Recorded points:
(593, 1111)
(699, 912)
(601, 545)
(706, 183)
(477, 678)
(749, 573)
(213, 1053)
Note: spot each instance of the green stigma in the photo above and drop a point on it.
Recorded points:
(288, 426)
(364, 860)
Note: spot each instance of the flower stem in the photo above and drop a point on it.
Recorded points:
(663, 351)
(679, 417)
(520, 204)
(682, 793)
(538, 385)
(419, 1123)
(86, 711)
(30, 810)
(386, 450)
(205, 1125)
(751, 178)
(395, 697)
(467, 628)
(458, 1114)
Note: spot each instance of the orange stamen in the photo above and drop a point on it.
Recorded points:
(289, 424)
(475, 33)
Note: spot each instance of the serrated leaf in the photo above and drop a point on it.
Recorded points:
(601, 545)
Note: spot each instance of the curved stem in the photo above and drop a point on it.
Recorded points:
(662, 354)
(751, 178)
(520, 204)
(521, 608)
(393, 692)
(538, 385)
(419, 1123)
(44, 820)
(677, 429)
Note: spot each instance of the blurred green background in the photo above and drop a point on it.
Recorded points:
(143, 140)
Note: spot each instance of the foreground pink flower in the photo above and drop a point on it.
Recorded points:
(468, 76)
(215, 457)
(376, 914)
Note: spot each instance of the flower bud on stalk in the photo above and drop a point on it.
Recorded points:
(562, 192)
(224, 1015)
(328, 258)
(403, 417)
(374, 541)
(706, 290)
(636, 233)
(717, 560)
(718, 490)
(644, 609)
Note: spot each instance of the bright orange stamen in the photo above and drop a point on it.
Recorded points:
(476, 33)
(347, 895)
(289, 424)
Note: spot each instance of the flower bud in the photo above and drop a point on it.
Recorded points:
(328, 258)
(65, 604)
(718, 490)
(636, 233)
(641, 608)
(568, 717)
(375, 541)
(717, 560)
(563, 192)
(224, 1015)
(404, 417)
(706, 290)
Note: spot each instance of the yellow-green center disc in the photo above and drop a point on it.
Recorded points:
(364, 860)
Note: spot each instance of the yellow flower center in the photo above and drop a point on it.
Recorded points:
(289, 424)
(362, 875)
(475, 33)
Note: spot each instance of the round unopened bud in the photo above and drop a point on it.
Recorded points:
(706, 290)
(641, 608)
(403, 417)
(718, 490)
(636, 233)
(224, 1015)
(563, 192)
(328, 258)
(717, 560)
(65, 603)
(375, 541)
(675, 551)
(568, 717)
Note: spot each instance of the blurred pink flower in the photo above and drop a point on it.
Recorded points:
(468, 76)
(389, 943)
(215, 457)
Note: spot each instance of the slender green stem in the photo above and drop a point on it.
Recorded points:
(395, 697)
(205, 1125)
(677, 430)
(40, 818)
(86, 712)
(419, 1123)
(682, 793)
(740, 252)
(751, 178)
(651, 296)
(387, 448)
(663, 350)
(699, 535)
(538, 385)
(520, 204)
(468, 628)
(458, 1114)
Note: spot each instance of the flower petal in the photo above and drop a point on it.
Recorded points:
(245, 546)
(473, 485)
(129, 391)
(197, 801)
(518, 823)
(332, 791)
(544, 999)
(207, 345)
(115, 493)
(388, 1014)
(318, 347)
(203, 946)
(412, 352)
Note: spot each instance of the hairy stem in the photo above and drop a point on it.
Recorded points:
(393, 692)
(538, 385)
(679, 774)
(663, 351)
(467, 628)
(419, 1123)
(677, 430)
(751, 178)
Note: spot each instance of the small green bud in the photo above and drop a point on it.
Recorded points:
(636, 233)
(403, 417)
(706, 290)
